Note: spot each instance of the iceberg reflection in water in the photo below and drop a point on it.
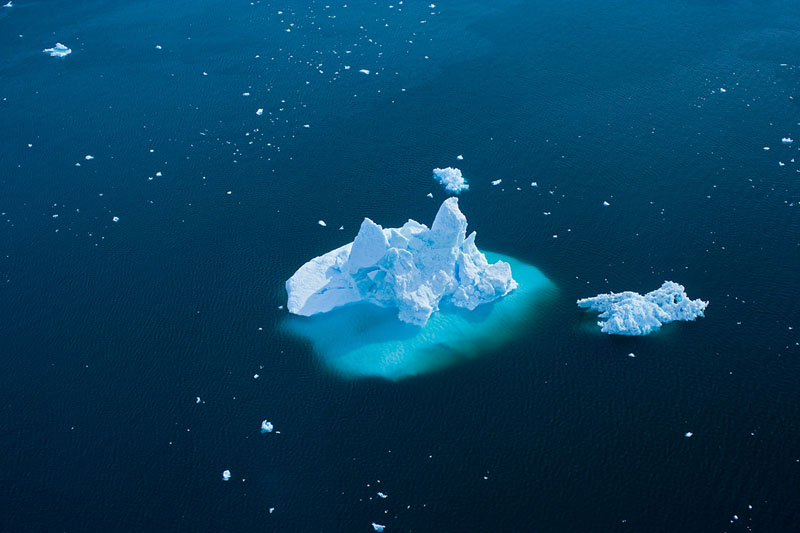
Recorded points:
(364, 340)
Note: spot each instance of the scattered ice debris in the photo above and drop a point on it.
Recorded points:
(226, 475)
(605, 203)
(115, 219)
(451, 178)
(787, 140)
(321, 223)
(688, 434)
(497, 182)
(59, 50)
(378, 527)
(382, 495)
(266, 427)
(364, 71)
(412, 268)
(459, 157)
(89, 157)
(260, 111)
(630, 313)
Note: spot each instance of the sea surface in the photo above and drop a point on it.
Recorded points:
(142, 333)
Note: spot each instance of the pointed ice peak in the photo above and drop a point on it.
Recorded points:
(450, 225)
(368, 247)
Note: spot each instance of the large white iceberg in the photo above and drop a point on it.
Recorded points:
(630, 313)
(451, 178)
(412, 268)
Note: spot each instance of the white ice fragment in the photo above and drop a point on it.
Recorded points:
(766, 148)
(266, 427)
(451, 178)
(158, 174)
(534, 184)
(382, 495)
(723, 90)
(89, 157)
(158, 47)
(226, 475)
(198, 400)
(688, 434)
(630, 313)
(260, 111)
(412, 268)
(459, 157)
(364, 71)
(605, 203)
(321, 223)
(59, 50)
(631, 354)
(497, 182)
(429, 195)
(378, 527)
(787, 140)
(115, 219)
(9, 4)
(256, 376)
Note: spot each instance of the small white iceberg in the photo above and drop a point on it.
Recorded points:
(59, 50)
(497, 182)
(787, 140)
(630, 313)
(378, 527)
(451, 178)
(266, 427)
(226, 475)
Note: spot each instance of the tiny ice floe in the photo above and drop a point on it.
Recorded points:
(429, 195)
(723, 90)
(451, 178)
(605, 203)
(497, 182)
(364, 71)
(534, 184)
(266, 427)
(378, 527)
(158, 47)
(688, 434)
(88, 157)
(59, 50)
(766, 148)
(787, 140)
(115, 219)
(631, 354)
(321, 223)
(459, 157)
(198, 400)
(9, 4)
(382, 495)
(226, 475)
(260, 111)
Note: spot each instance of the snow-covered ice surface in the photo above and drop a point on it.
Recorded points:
(411, 268)
(630, 313)
(363, 340)
(59, 50)
(451, 178)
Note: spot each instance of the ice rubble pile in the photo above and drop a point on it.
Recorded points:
(630, 313)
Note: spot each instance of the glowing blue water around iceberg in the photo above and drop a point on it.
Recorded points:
(365, 340)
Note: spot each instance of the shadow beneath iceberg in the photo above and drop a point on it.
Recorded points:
(364, 340)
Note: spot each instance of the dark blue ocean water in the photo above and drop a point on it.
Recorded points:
(109, 331)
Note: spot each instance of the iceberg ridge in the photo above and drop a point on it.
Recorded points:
(630, 313)
(412, 268)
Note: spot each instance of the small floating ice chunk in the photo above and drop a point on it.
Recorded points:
(378, 527)
(630, 313)
(606, 204)
(631, 354)
(226, 475)
(723, 90)
(59, 50)
(266, 427)
(688, 434)
(451, 178)
(198, 400)
(382, 495)
(260, 111)
(89, 157)
(497, 182)
(459, 157)
(158, 47)
(429, 195)
(115, 219)
(321, 223)
(766, 148)
(787, 140)
(364, 71)
(534, 184)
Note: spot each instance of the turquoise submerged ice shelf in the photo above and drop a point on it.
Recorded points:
(364, 340)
